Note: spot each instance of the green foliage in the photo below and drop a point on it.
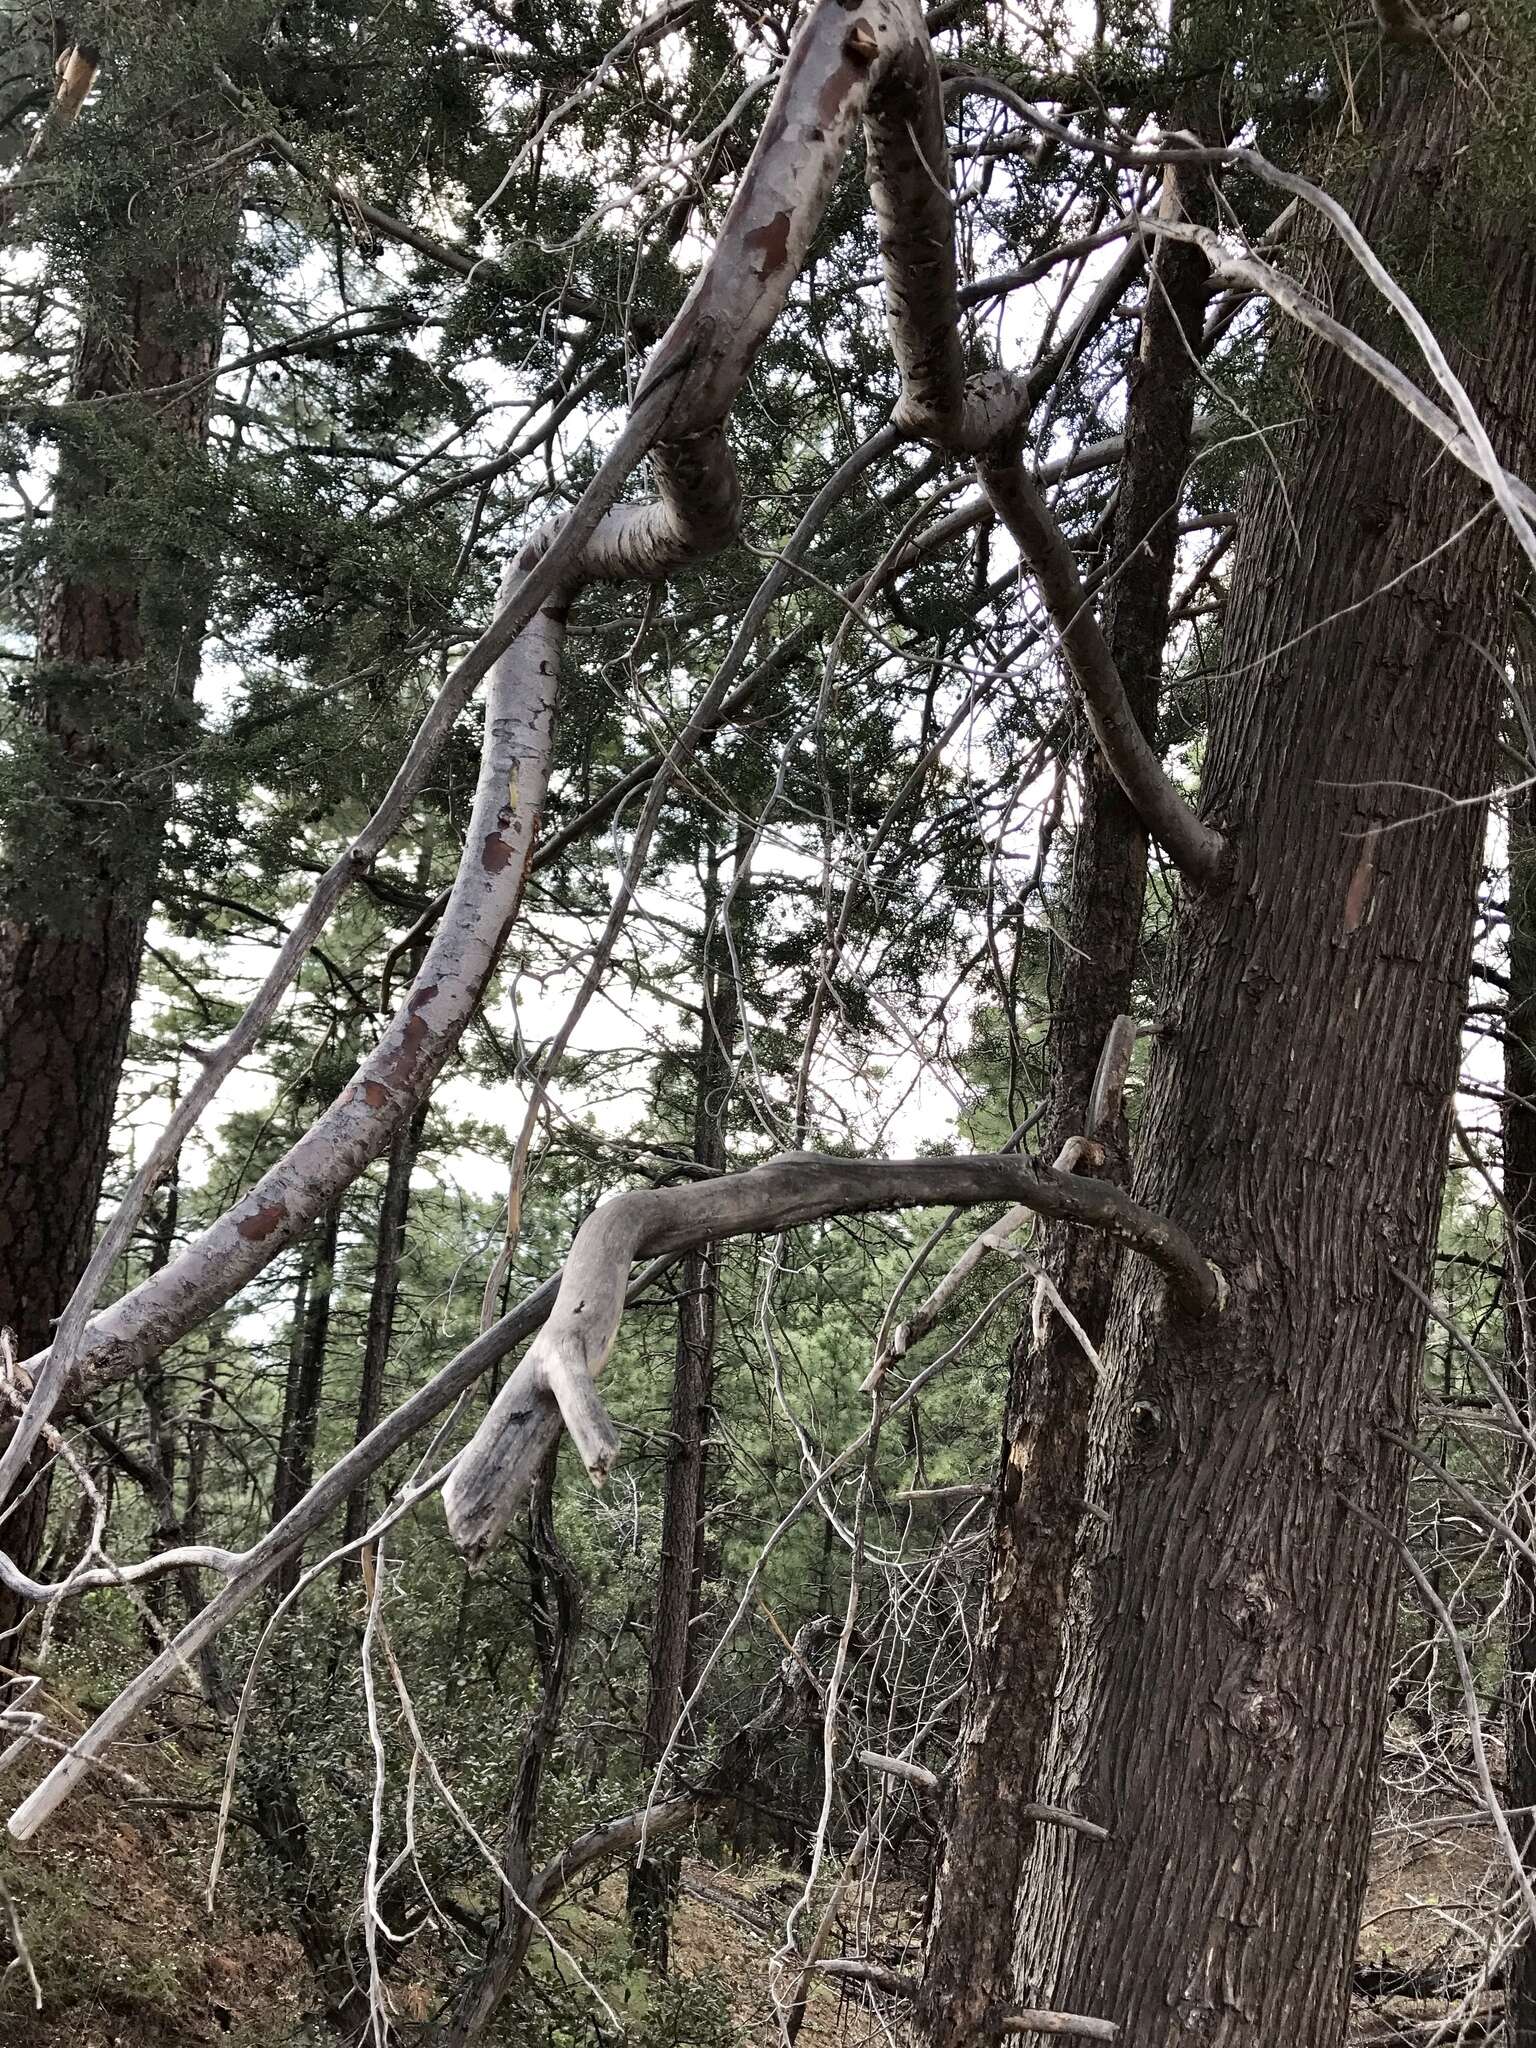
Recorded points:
(292, 587)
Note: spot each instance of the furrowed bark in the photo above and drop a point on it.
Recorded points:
(1519, 1185)
(554, 1382)
(1020, 1643)
(1224, 1712)
(119, 647)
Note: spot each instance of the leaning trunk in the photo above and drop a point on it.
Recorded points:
(1223, 1708)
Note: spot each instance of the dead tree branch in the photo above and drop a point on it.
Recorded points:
(1196, 849)
(555, 1382)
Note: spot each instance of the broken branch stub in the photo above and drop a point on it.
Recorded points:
(554, 1381)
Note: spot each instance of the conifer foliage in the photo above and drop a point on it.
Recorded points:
(823, 711)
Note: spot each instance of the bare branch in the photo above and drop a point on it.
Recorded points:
(1070, 2025)
(792, 2009)
(1196, 849)
(612, 1838)
(554, 1381)
(900, 1767)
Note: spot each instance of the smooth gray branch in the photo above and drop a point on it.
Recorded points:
(554, 1382)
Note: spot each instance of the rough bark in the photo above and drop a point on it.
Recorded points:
(1018, 1650)
(653, 1882)
(1520, 1335)
(118, 654)
(1223, 1707)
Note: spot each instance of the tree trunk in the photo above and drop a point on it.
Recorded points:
(388, 1249)
(1520, 1343)
(1222, 1711)
(161, 1447)
(1018, 1651)
(653, 1882)
(305, 1384)
(119, 645)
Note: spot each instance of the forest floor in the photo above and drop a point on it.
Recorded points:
(1428, 1903)
(111, 1901)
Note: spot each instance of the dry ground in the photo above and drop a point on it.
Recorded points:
(111, 1900)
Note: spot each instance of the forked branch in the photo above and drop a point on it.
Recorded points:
(555, 1381)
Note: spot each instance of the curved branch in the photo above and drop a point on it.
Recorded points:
(554, 1382)
(687, 391)
(1196, 850)
(97, 1578)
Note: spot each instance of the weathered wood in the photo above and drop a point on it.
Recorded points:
(554, 1381)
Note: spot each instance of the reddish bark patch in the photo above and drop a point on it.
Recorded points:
(375, 1094)
(829, 101)
(495, 854)
(1357, 903)
(773, 240)
(403, 1057)
(260, 1224)
(397, 1069)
